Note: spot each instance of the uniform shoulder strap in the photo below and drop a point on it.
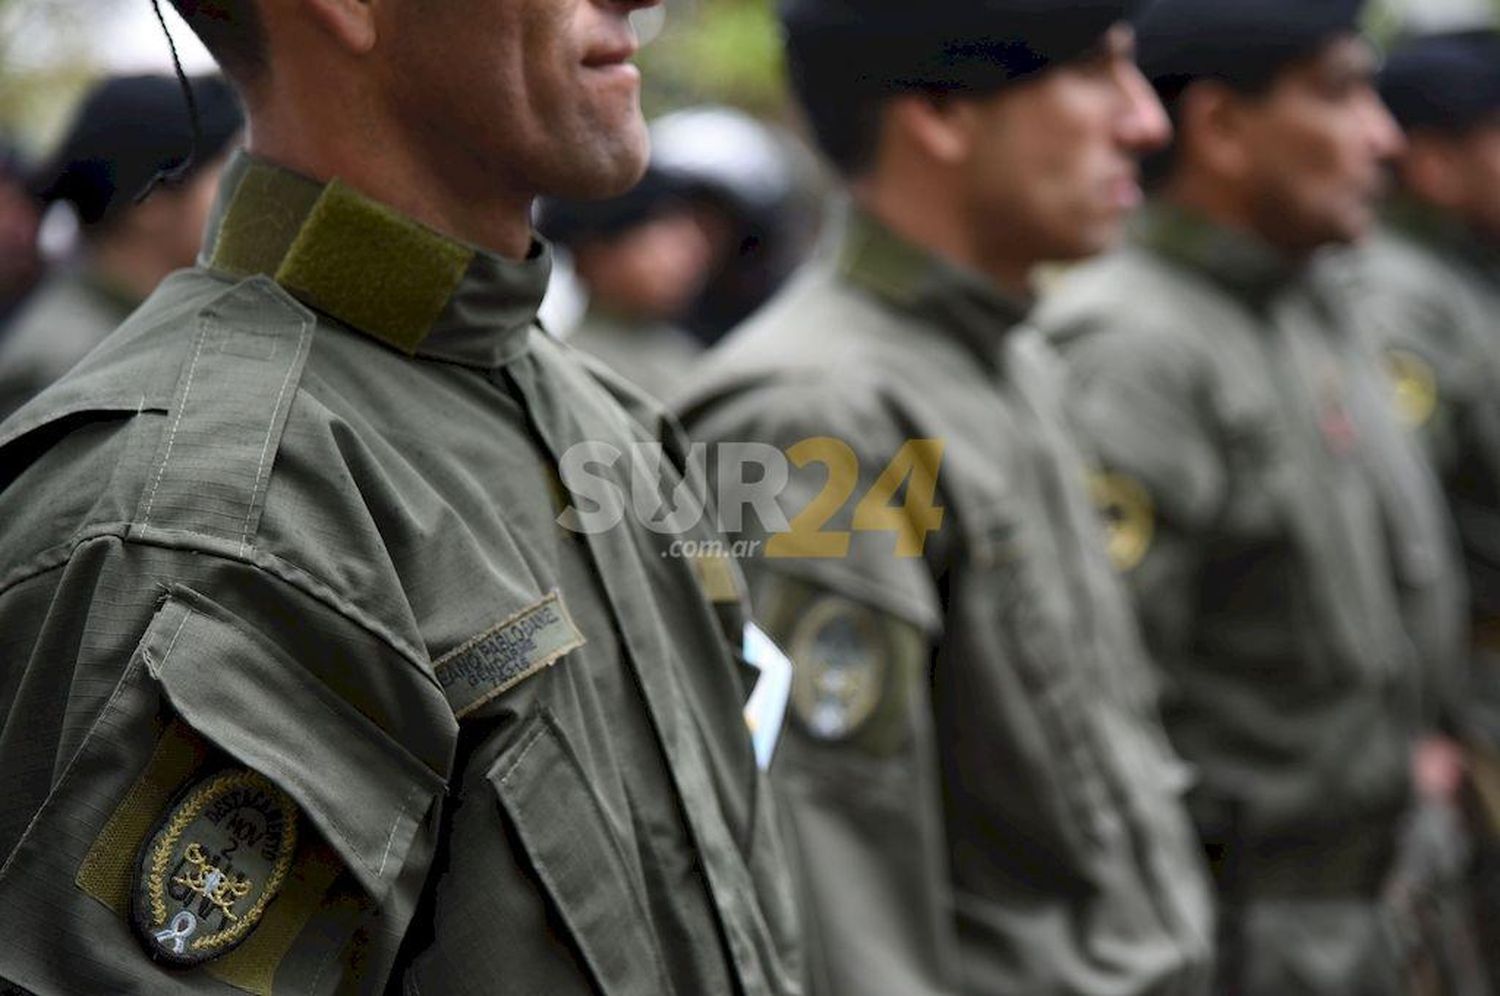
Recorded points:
(212, 466)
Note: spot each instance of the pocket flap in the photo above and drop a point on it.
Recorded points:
(563, 827)
(363, 790)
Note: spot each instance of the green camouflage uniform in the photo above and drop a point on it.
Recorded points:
(281, 569)
(67, 316)
(1292, 571)
(983, 796)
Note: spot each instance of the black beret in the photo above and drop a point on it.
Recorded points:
(126, 130)
(1243, 43)
(571, 222)
(1444, 81)
(875, 46)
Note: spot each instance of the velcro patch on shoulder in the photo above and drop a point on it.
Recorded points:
(212, 866)
(506, 654)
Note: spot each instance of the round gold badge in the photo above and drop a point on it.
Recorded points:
(1129, 518)
(1415, 384)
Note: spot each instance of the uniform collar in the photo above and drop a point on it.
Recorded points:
(372, 269)
(1444, 233)
(906, 276)
(1242, 264)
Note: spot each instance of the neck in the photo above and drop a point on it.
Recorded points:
(132, 266)
(329, 139)
(1216, 201)
(919, 212)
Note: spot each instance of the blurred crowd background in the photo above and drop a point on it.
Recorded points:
(734, 203)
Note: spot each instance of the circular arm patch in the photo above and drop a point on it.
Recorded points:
(212, 866)
(1129, 518)
(840, 660)
(1415, 385)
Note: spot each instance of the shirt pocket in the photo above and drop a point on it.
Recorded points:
(579, 860)
(204, 696)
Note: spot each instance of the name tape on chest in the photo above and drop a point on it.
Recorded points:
(507, 654)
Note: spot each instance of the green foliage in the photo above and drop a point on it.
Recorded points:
(724, 51)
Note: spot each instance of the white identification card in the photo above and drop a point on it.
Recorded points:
(766, 711)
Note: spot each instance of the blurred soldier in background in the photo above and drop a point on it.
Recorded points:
(642, 257)
(756, 193)
(20, 217)
(126, 131)
(1287, 544)
(1431, 287)
(977, 775)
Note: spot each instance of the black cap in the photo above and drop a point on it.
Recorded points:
(1242, 43)
(1448, 82)
(967, 45)
(129, 128)
(571, 222)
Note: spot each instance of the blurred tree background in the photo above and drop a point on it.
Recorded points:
(722, 51)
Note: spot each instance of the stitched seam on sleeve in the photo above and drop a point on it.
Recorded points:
(176, 422)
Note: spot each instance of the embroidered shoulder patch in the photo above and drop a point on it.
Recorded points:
(840, 660)
(212, 866)
(506, 654)
(1416, 387)
(1129, 518)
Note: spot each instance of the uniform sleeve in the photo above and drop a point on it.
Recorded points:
(856, 768)
(215, 781)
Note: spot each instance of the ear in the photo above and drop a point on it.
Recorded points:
(1213, 125)
(1430, 169)
(942, 130)
(350, 22)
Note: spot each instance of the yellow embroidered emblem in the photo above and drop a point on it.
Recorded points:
(1129, 518)
(212, 866)
(212, 884)
(1415, 385)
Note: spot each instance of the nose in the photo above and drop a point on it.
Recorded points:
(1144, 125)
(1385, 136)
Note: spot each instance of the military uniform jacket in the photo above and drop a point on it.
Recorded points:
(304, 689)
(1289, 559)
(1431, 294)
(654, 356)
(983, 796)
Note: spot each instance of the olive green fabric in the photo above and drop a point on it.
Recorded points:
(1299, 592)
(256, 520)
(983, 796)
(1431, 291)
(654, 356)
(68, 315)
(1431, 294)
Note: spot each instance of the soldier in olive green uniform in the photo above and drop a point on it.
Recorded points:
(305, 690)
(976, 772)
(1285, 542)
(1431, 289)
(108, 157)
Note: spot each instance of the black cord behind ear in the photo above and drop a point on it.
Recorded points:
(175, 173)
